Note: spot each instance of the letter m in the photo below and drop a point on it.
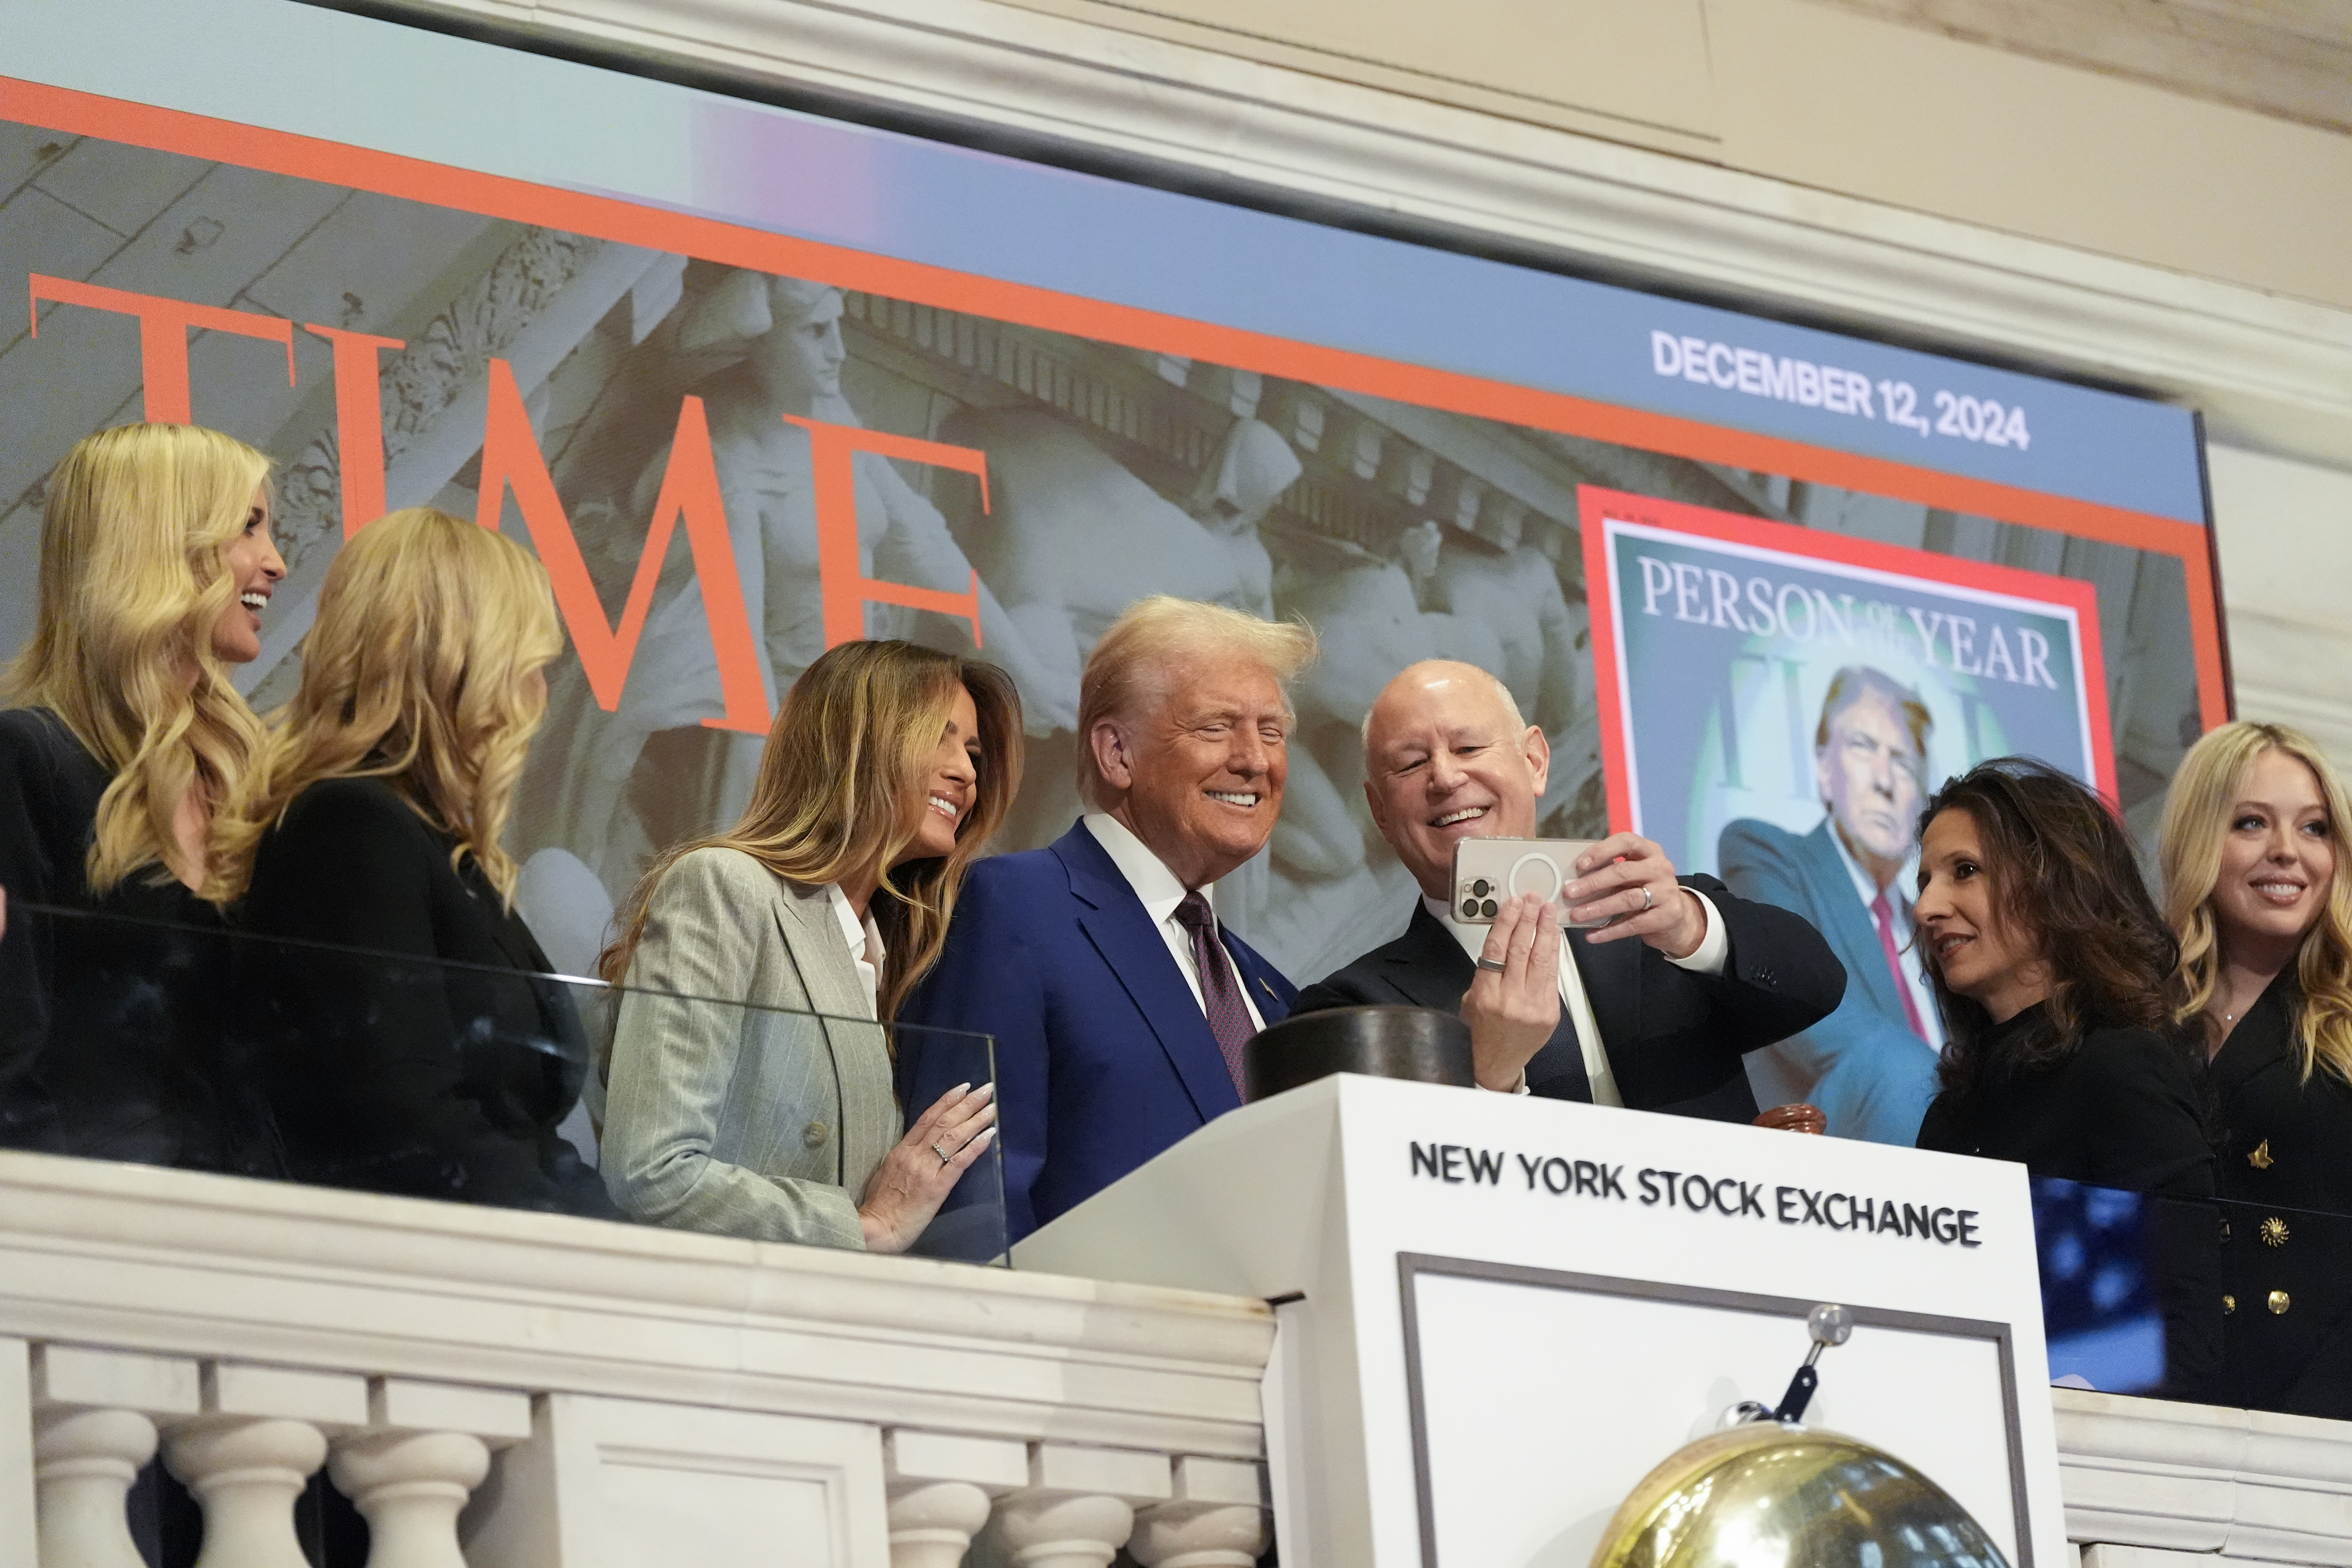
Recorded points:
(689, 490)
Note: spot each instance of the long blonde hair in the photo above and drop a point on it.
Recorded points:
(2197, 814)
(414, 672)
(132, 582)
(840, 788)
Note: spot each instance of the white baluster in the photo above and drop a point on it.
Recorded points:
(932, 1522)
(410, 1487)
(1217, 1518)
(1198, 1535)
(84, 1462)
(246, 1472)
(1063, 1530)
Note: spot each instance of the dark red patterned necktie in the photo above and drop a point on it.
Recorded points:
(1221, 991)
(1885, 917)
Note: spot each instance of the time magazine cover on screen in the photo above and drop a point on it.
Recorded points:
(736, 438)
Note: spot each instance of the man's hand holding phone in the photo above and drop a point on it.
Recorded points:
(1627, 880)
(1513, 1003)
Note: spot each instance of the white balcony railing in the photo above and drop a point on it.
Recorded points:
(524, 1390)
(540, 1391)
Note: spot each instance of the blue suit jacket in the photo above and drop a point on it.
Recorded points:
(1862, 1065)
(1103, 1057)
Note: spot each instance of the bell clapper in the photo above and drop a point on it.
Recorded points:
(1829, 1325)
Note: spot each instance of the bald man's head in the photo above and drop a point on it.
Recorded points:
(1449, 673)
(1447, 757)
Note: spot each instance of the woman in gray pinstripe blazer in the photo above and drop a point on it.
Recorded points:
(748, 1090)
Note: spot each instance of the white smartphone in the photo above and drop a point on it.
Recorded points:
(1488, 870)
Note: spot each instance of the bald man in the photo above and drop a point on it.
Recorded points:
(1653, 1011)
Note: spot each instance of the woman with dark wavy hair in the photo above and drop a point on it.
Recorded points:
(2055, 975)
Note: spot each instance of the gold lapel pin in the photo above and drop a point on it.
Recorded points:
(2260, 1158)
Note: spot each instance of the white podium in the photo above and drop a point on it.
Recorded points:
(1496, 1312)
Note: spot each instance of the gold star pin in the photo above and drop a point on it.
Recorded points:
(2273, 1232)
(2260, 1158)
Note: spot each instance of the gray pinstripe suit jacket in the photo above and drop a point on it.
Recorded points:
(736, 1118)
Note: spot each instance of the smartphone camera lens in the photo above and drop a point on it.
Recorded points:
(1490, 909)
(1481, 888)
(1469, 908)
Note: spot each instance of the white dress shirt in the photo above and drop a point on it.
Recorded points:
(1160, 891)
(1923, 996)
(1708, 958)
(863, 940)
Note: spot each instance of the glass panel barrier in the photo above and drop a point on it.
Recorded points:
(207, 1048)
(2213, 1300)
(2102, 1313)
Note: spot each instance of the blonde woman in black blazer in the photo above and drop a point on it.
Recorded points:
(2255, 850)
(437, 1061)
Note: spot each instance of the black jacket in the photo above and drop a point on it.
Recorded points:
(109, 1015)
(1675, 1038)
(2287, 1256)
(437, 1061)
(2123, 1109)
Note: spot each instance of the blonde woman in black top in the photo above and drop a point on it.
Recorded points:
(2253, 833)
(437, 1061)
(156, 567)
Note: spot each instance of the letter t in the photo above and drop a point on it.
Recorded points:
(359, 422)
(163, 325)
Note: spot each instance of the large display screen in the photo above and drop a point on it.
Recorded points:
(752, 382)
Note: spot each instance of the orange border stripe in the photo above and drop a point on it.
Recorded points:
(611, 218)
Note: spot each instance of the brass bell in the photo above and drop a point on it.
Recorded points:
(1766, 1492)
(1771, 1494)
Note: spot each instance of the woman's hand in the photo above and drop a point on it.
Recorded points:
(916, 1176)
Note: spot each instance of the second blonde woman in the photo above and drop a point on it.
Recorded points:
(2253, 851)
(886, 769)
(433, 1060)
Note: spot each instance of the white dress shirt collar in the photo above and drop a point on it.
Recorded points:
(1154, 883)
(1864, 883)
(863, 938)
(1160, 890)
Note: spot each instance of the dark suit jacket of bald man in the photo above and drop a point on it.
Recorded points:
(1676, 1039)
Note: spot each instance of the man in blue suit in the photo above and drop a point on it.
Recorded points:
(1871, 1065)
(1120, 1003)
